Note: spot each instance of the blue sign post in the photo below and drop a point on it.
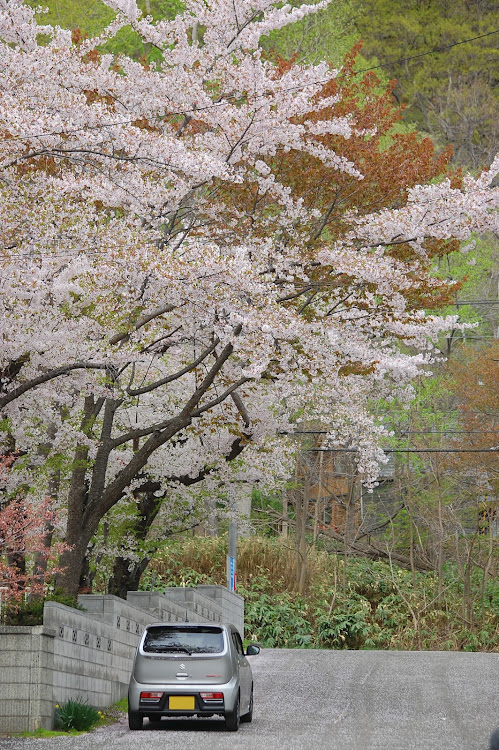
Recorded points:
(232, 556)
(231, 573)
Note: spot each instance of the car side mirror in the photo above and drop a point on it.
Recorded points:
(253, 649)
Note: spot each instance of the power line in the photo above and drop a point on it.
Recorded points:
(434, 51)
(405, 434)
(407, 450)
(464, 302)
(357, 72)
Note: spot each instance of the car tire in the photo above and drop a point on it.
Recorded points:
(232, 718)
(135, 720)
(246, 718)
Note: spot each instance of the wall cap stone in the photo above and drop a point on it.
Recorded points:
(27, 630)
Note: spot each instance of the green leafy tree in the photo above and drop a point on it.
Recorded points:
(451, 94)
(326, 35)
(90, 17)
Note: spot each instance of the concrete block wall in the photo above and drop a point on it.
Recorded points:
(196, 606)
(26, 678)
(121, 614)
(89, 654)
(92, 658)
(163, 608)
(231, 604)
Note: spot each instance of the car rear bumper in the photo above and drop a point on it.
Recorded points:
(161, 707)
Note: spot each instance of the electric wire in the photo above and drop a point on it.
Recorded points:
(407, 450)
(236, 97)
(401, 434)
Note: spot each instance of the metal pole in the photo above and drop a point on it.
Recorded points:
(232, 557)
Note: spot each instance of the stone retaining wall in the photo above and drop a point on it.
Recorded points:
(26, 678)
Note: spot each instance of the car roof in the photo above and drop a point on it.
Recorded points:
(173, 625)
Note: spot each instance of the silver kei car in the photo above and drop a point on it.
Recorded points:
(191, 669)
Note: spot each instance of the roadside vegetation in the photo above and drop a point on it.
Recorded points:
(76, 717)
(76, 714)
(360, 605)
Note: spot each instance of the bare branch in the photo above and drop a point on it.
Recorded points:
(163, 429)
(241, 408)
(49, 375)
(141, 322)
(175, 375)
(228, 392)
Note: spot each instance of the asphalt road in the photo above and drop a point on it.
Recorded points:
(334, 700)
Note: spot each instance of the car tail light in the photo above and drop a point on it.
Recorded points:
(151, 696)
(212, 696)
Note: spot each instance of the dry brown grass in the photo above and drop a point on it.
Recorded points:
(273, 558)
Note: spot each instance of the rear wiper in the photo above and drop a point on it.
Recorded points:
(176, 648)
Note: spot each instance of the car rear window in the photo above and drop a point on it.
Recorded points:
(198, 640)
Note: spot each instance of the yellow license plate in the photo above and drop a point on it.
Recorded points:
(181, 703)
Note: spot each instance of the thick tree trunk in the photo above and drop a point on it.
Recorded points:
(41, 562)
(126, 577)
(16, 561)
(41, 558)
(77, 533)
(72, 562)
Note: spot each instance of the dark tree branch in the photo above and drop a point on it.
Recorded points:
(122, 335)
(175, 375)
(49, 375)
(160, 435)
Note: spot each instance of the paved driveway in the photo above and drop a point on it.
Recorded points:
(334, 700)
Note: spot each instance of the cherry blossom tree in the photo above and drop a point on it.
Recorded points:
(173, 294)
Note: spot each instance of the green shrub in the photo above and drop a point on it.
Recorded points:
(358, 604)
(278, 620)
(24, 613)
(76, 715)
(31, 612)
(348, 626)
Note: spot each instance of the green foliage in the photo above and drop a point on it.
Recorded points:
(30, 612)
(473, 266)
(91, 16)
(178, 576)
(134, 529)
(263, 507)
(451, 94)
(346, 627)
(121, 706)
(381, 607)
(44, 734)
(275, 620)
(76, 715)
(326, 35)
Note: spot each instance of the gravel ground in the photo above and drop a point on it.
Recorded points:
(341, 700)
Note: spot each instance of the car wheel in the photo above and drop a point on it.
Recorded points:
(135, 720)
(246, 718)
(233, 718)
